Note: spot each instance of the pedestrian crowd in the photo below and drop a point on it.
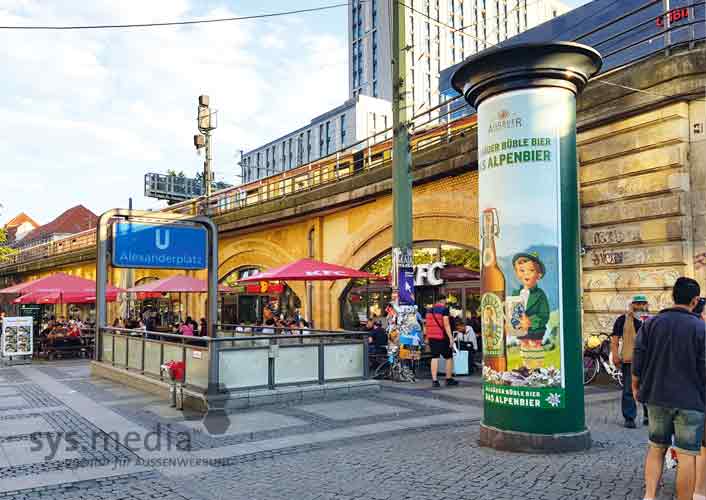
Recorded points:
(663, 360)
(443, 336)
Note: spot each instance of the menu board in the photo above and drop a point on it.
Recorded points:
(17, 336)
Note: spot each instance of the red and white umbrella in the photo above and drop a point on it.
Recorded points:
(308, 270)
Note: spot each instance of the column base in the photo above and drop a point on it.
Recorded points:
(492, 437)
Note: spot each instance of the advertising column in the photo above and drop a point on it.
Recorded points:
(529, 209)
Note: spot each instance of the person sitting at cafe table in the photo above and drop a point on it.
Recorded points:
(185, 328)
(378, 339)
(74, 329)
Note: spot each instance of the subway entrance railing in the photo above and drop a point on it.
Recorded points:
(240, 358)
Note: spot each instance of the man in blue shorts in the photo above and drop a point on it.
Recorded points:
(669, 376)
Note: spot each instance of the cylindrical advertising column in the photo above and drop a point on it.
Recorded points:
(530, 312)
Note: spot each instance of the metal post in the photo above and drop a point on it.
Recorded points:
(321, 363)
(401, 178)
(207, 168)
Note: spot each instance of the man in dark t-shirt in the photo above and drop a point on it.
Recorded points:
(378, 338)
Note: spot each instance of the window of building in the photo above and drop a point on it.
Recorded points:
(375, 88)
(321, 140)
(343, 130)
(374, 12)
(308, 145)
(284, 155)
(290, 152)
(257, 159)
(328, 137)
(300, 149)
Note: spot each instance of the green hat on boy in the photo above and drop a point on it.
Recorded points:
(639, 298)
(534, 257)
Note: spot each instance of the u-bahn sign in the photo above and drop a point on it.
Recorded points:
(159, 246)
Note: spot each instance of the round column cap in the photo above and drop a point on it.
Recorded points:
(566, 65)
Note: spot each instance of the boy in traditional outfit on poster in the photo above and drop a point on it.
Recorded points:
(529, 269)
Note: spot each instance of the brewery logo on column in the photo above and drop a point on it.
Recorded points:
(520, 237)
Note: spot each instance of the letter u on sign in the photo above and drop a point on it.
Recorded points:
(161, 242)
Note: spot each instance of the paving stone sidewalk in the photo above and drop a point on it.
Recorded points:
(408, 441)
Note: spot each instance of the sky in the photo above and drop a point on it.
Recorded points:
(87, 113)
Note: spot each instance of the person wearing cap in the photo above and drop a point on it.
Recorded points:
(622, 343)
(529, 269)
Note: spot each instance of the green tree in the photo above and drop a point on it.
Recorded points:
(468, 258)
(5, 251)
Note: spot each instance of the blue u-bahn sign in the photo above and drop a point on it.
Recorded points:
(163, 246)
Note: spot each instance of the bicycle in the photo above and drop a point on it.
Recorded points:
(393, 367)
(597, 356)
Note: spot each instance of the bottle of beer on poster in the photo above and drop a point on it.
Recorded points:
(492, 288)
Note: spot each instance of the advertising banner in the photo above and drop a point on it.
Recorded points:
(17, 336)
(520, 207)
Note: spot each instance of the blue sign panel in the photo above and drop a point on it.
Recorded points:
(166, 246)
(406, 284)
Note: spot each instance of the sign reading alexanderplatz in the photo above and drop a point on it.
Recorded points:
(159, 246)
(525, 96)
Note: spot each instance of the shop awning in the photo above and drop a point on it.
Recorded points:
(60, 284)
(308, 270)
(176, 284)
(63, 298)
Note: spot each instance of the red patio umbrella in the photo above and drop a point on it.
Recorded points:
(61, 298)
(59, 283)
(175, 284)
(309, 270)
(178, 283)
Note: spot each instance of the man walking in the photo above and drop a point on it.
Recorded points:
(441, 341)
(626, 331)
(669, 376)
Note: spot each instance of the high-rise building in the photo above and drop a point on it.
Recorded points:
(440, 33)
(341, 127)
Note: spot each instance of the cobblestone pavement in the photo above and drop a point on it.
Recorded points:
(405, 442)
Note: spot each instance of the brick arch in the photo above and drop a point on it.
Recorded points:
(376, 238)
(256, 252)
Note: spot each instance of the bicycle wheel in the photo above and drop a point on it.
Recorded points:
(407, 375)
(382, 371)
(590, 369)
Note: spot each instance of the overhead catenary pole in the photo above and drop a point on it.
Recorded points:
(206, 121)
(401, 159)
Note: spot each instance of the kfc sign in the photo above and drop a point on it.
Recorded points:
(428, 274)
(672, 16)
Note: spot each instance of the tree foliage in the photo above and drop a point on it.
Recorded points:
(465, 257)
(5, 251)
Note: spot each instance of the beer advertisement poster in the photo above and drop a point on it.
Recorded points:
(519, 195)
